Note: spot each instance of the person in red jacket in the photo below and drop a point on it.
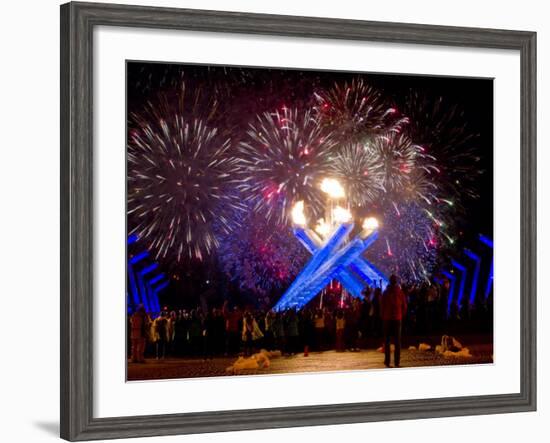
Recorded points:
(139, 326)
(393, 307)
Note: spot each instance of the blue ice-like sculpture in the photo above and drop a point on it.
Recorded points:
(332, 259)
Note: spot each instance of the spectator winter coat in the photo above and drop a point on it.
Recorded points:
(139, 325)
(393, 303)
(232, 319)
(255, 331)
(159, 329)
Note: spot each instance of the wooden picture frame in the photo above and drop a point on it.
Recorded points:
(77, 23)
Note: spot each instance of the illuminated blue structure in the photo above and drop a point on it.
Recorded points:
(489, 285)
(138, 257)
(452, 280)
(156, 279)
(143, 286)
(332, 259)
(313, 243)
(477, 260)
(133, 285)
(132, 239)
(354, 278)
(475, 267)
(489, 243)
(463, 274)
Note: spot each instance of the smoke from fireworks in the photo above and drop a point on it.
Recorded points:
(283, 159)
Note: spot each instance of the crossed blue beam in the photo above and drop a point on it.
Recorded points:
(161, 286)
(148, 292)
(153, 295)
(313, 243)
(138, 289)
(138, 257)
(291, 296)
(149, 298)
(148, 269)
(477, 269)
(490, 280)
(142, 289)
(331, 261)
(463, 274)
(452, 279)
(489, 243)
(349, 276)
(156, 279)
(133, 285)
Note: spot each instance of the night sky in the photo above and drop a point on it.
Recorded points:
(242, 93)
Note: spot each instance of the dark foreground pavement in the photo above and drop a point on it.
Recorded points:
(315, 362)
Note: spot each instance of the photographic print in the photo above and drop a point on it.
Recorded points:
(293, 221)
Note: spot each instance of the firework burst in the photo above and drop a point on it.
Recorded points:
(359, 168)
(283, 158)
(420, 186)
(408, 244)
(263, 258)
(440, 128)
(411, 208)
(386, 172)
(206, 159)
(356, 110)
(399, 157)
(181, 187)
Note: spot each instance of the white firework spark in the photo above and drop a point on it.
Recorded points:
(284, 156)
(180, 186)
(359, 168)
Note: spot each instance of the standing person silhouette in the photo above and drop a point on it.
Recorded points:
(139, 325)
(393, 307)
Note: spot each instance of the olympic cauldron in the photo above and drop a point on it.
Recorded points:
(334, 256)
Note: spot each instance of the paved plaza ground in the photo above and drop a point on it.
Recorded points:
(315, 362)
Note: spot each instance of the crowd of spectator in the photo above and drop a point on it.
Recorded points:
(232, 330)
